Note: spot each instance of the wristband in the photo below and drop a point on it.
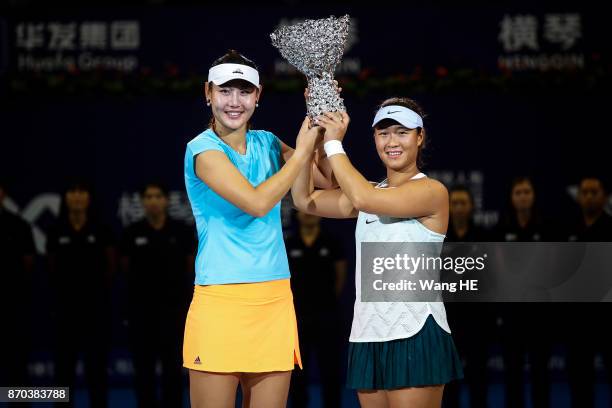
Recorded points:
(332, 147)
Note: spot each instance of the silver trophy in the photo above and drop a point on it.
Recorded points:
(315, 48)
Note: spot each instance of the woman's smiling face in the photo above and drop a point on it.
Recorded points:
(397, 146)
(232, 103)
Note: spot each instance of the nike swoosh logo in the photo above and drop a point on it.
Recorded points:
(389, 112)
(370, 221)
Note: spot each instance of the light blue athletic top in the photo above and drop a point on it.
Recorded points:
(235, 247)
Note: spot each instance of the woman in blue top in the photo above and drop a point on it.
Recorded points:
(241, 324)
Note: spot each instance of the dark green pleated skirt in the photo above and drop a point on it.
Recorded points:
(427, 358)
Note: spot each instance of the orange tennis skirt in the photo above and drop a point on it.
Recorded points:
(245, 327)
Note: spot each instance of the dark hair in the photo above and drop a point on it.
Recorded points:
(78, 184)
(461, 188)
(154, 184)
(412, 105)
(231, 57)
(593, 177)
(515, 182)
(521, 179)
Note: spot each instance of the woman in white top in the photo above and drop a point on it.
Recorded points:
(400, 353)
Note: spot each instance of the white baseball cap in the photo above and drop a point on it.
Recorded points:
(222, 73)
(404, 116)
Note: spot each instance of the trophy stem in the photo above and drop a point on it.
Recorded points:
(323, 95)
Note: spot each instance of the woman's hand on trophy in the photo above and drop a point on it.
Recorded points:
(334, 123)
(308, 137)
(338, 89)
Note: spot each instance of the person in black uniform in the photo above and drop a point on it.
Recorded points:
(461, 221)
(524, 222)
(318, 274)
(593, 224)
(157, 257)
(16, 264)
(526, 328)
(81, 263)
(474, 324)
(586, 335)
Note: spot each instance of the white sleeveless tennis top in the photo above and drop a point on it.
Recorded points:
(384, 321)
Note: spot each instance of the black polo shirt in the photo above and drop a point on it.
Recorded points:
(474, 233)
(158, 260)
(80, 259)
(537, 229)
(599, 231)
(313, 272)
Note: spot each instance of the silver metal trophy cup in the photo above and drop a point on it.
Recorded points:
(315, 48)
